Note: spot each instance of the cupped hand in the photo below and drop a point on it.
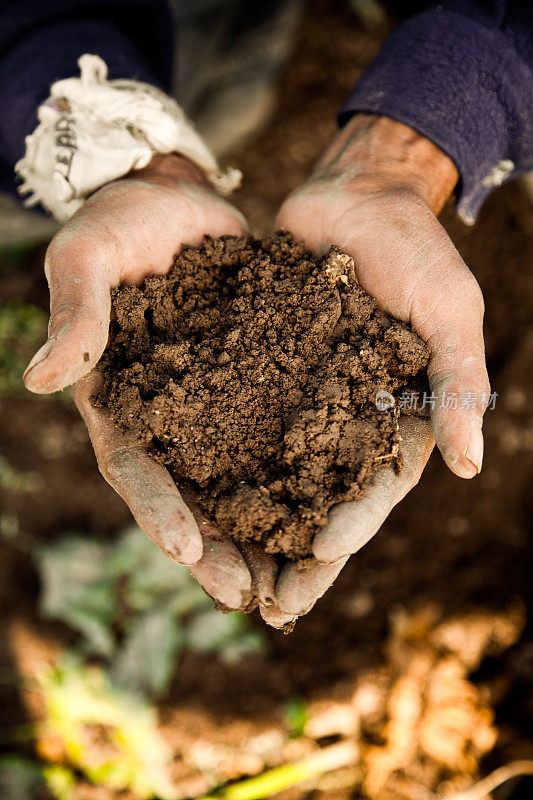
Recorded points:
(375, 193)
(124, 232)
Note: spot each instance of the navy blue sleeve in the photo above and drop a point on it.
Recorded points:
(461, 74)
(41, 41)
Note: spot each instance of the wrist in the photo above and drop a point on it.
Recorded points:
(171, 169)
(377, 153)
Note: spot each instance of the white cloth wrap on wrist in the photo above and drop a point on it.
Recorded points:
(92, 131)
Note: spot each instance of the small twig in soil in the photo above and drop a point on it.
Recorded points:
(395, 449)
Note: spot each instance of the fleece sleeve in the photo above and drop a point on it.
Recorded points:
(461, 74)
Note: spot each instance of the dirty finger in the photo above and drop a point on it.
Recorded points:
(144, 485)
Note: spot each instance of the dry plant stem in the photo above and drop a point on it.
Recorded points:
(480, 790)
(275, 780)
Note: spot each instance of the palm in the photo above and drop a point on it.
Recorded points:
(149, 222)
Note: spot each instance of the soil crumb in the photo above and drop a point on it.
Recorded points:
(252, 370)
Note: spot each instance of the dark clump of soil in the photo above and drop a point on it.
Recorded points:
(252, 369)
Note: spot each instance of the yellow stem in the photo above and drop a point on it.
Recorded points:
(275, 780)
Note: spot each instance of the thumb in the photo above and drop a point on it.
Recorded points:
(80, 279)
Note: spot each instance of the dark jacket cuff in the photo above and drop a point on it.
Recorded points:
(462, 85)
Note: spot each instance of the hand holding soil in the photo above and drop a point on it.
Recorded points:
(126, 231)
(375, 193)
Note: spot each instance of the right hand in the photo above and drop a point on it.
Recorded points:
(375, 193)
(127, 230)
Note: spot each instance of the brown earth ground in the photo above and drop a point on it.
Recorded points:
(453, 547)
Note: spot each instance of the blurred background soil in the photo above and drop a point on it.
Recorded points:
(452, 546)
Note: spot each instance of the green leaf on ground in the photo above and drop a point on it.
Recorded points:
(147, 658)
(60, 781)
(150, 575)
(22, 330)
(77, 589)
(229, 635)
(136, 608)
(13, 480)
(296, 717)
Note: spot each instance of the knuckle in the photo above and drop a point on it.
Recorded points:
(115, 464)
(63, 246)
(79, 251)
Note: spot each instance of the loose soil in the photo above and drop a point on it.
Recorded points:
(252, 370)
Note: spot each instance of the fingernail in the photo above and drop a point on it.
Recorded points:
(274, 616)
(40, 356)
(474, 448)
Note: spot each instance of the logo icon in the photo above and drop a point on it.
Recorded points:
(384, 400)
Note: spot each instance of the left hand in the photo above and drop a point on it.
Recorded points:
(127, 230)
(375, 193)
